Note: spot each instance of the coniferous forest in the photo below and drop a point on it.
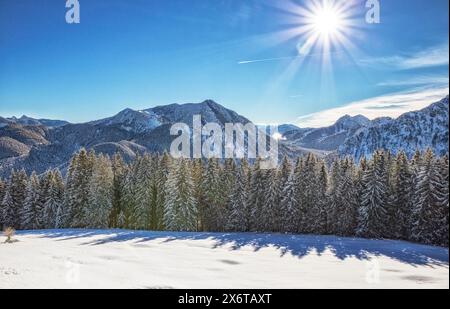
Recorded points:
(388, 196)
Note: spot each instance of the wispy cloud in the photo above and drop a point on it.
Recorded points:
(430, 57)
(391, 105)
(417, 81)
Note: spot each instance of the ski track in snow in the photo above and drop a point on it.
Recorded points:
(159, 260)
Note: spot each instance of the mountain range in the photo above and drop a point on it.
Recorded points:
(40, 144)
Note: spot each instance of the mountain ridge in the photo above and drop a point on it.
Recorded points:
(131, 132)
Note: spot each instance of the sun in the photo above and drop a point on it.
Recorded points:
(327, 21)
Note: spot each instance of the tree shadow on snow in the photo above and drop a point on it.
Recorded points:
(297, 245)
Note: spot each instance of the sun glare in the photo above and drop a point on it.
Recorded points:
(327, 21)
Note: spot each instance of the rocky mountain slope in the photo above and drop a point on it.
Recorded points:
(129, 132)
(427, 128)
(30, 144)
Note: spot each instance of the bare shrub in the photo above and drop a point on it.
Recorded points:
(9, 232)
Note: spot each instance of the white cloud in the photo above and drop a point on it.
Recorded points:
(416, 81)
(430, 57)
(391, 105)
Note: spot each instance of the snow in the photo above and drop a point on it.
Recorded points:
(127, 259)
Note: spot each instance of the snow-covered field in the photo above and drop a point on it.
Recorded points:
(126, 259)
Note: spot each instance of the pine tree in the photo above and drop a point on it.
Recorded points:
(56, 201)
(239, 215)
(143, 193)
(14, 199)
(127, 219)
(307, 194)
(428, 201)
(443, 232)
(214, 201)
(100, 194)
(256, 194)
(32, 209)
(77, 193)
(320, 212)
(269, 212)
(374, 209)
(180, 212)
(8, 210)
(283, 181)
(119, 171)
(289, 206)
(402, 197)
(228, 178)
(345, 200)
(2, 191)
(197, 178)
(44, 215)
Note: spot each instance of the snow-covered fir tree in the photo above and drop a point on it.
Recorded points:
(213, 200)
(14, 199)
(320, 211)
(56, 201)
(239, 214)
(344, 200)
(429, 201)
(258, 186)
(387, 197)
(373, 212)
(180, 211)
(402, 182)
(2, 192)
(32, 209)
(119, 172)
(289, 206)
(443, 233)
(307, 194)
(100, 194)
(144, 201)
(268, 215)
(77, 193)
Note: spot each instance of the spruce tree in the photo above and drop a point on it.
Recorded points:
(180, 211)
(443, 232)
(30, 216)
(269, 214)
(239, 215)
(56, 201)
(307, 194)
(14, 199)
(373, 213)
(289, 206)
(214, 201)
(100, 194)
(119, 171)
(428, 201)
(402, 197)
(258, 185)
(345, 201)
(77, 193)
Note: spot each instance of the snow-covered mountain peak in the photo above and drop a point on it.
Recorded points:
(352, 122)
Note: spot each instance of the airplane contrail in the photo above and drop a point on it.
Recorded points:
(267, 59)
(284, 58)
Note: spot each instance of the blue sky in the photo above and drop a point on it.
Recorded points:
(144, 53)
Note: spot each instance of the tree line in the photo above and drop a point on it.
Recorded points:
(386, 196)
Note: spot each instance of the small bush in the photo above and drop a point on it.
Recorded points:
(9, 233)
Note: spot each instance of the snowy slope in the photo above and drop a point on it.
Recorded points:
(125, 259)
